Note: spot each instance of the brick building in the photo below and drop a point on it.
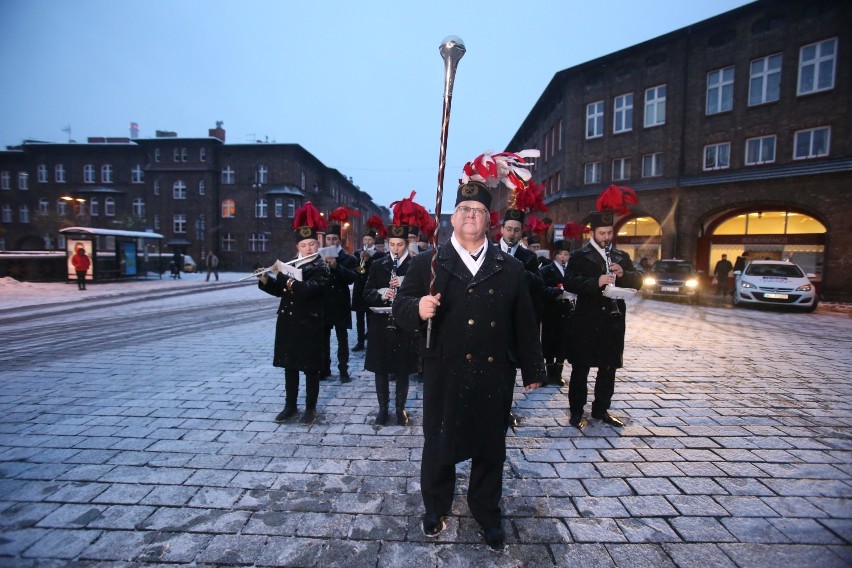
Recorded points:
(200, 193)
(734, 132)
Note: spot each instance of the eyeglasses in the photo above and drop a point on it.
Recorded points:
(477, 211)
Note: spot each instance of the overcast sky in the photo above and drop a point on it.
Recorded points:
(357, 84)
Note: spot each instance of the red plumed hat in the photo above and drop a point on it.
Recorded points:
(376, 226)
(308, 222)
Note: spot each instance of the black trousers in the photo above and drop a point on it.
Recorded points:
(291, 388)
(361, 325)
(81, 279)
(342, 335)
(578, 390)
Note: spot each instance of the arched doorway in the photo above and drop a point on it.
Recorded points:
(639, 236)
(775, 234)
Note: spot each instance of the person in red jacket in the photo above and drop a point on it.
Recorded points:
(81, 264)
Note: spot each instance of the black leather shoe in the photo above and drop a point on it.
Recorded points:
(495, 537)
(433, 525)
(578, 421)
(286, 414)
(310, 416)
(558, 381)
(324, 375)
(344, 377)
(382, 417)
(610, 419)
(401, 418)
(358, 347)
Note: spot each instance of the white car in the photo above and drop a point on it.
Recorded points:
(774, 282)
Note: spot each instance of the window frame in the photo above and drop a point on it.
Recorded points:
(715, 151)
(656, 103)
(261, 208)
(765, 75)
(715, 91)
(811, 132)
(179, 190)
(42, 173)
(137, 174)
(179, 223)
(228, 209)
(658, 164)
(109, 207)
(595, 119)
(816, 64)
(622, 169)
(59, 173)
(761, 140)
(625, 112)
(106, 173)
(596, 169)
(138, 207)
(89, 173)
(228, 176)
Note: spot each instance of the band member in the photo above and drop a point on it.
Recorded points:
(556, 317)
(482, 329)
(513, 221)
(338, 305)
(596, 337)
(365, 256)
(380, 244)
(392, 354)
(535, 246)
(299, 331)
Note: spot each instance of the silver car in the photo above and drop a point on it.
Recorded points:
(776, 283)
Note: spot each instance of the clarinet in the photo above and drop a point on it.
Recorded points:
(614, 312)
(391, 324)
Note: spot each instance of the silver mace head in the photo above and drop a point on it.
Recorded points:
(452, 48)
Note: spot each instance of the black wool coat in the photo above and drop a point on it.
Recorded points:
(483, 330)
(358, 301)
(338, 303)
(556, 316)
(596, 338)
(391, 350)
(300, 330)
(530, 260)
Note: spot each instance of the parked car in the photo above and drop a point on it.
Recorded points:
(775, 283)
(189, 264)
(674, 278)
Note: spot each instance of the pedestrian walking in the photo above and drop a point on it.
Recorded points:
(483, 325)
(721, 275)
(299, 330)
(338, 303)
(596, 337)
(177, 264)
(81, 263)
(212, 263)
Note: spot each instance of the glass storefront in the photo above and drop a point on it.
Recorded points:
(640, 237)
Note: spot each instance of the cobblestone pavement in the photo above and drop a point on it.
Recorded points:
(736, 453)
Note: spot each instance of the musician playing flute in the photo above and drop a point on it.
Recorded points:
(392, 353)
(596, 336)
(483, 328)
(299, 331)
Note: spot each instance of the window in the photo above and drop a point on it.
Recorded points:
(136, 174)
(43, 206)
(156, 154)
(258, 242)
(760, 150)
(61, 207)
(303, 182)
(202, 187)
(279, 208)
(652, 165)
(179, 190)
(179, 223)
(764, 84)
(717, 156)
(228, 175)
(59, 173)
(291, 208)
(200, 226)
(594, 119)
(812, 143)
(176, 155)
(655, 106)
(229, 210)
(7, 213)
(229, 243)
(156, 187)
(816, 67)
(5, 180)
(620, 169)
(622, 115)
(106, 173)
(592, 172)
(261, 206)
(183, 155)
(262, 174)
(94, 207)
(156, 222)
(23, 180)
(42, 173)
(109, 206)
(202, 154)
(89, 173)
(720, 90)
(139, 207)
(24, 214)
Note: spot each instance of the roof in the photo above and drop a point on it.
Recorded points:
(111, 232)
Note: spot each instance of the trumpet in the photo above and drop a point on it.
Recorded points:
(365, 254)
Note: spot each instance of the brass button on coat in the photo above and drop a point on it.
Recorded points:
(470, 322)
(493, 324)
(469, 356)
(491, 359)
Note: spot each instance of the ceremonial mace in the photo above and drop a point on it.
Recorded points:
(452, 50)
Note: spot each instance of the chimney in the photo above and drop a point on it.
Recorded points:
(217, 132)
(134, 130)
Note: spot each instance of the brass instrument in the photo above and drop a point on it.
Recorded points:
(365, 254)
(273, 270)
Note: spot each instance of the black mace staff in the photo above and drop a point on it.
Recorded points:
(452, 50)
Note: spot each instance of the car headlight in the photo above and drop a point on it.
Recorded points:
(650, 281)
(692, 283)
(746, 284)
(804, 288)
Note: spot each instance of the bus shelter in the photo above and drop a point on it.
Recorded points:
(114, 254)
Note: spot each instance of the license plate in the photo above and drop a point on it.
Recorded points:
(776, 296)
(669, 289)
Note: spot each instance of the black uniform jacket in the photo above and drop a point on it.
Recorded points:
(556, 315)
(596, 337)
(299, 331)
(483, 330)
(391, 350)
(358, 301)
(530, 260)
(338, 304)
